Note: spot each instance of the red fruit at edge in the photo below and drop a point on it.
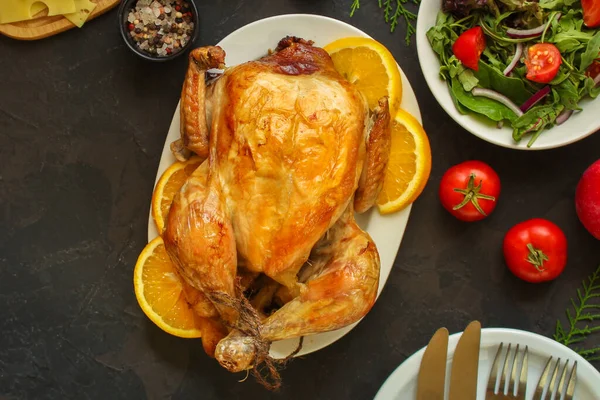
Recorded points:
(131, 27)
(591, 13)
(587, 199)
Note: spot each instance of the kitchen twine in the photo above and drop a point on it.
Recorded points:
(265, 368)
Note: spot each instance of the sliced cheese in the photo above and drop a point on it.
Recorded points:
(37, 7)
(84, 9)
(20, 10)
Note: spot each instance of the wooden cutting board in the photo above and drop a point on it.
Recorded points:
(43, 26)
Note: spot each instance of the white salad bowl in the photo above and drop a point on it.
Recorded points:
(579, 126)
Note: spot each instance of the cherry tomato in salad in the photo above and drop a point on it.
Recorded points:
(535, 250)
(591, 13)
(469, 46)
(469, 190)
(593, 70)
(543, 61)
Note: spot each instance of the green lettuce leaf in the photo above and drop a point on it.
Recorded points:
(492, 78)
(591, 53)
(481, 105)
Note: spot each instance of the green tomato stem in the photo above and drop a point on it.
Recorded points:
(536, 257)
(472, 196)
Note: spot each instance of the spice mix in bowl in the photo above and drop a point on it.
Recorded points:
(158, 30)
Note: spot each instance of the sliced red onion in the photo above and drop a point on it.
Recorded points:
(529, 33)
(533, 100)
(515, 60)
(563, 116)
(525, 33)
(597, 80)
(492, 94)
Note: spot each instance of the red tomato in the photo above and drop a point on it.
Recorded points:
(469, 190)
(591, 13)
(469, 46)
(593, 70)
(543, 61)
(587, 199)
(535, 250)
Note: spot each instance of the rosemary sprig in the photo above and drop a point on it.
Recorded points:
(393, 14)
(585, 311)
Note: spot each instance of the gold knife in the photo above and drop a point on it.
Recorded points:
(432, 372)
(463, 375)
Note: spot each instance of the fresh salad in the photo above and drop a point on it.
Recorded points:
(517, 62)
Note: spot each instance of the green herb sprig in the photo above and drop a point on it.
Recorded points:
(586, 310)
(393, 10)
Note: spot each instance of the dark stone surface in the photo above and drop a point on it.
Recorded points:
(83, 123)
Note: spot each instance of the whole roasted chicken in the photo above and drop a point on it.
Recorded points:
(263, 232)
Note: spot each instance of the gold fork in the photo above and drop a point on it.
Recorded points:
(564, 387)
(519, 384)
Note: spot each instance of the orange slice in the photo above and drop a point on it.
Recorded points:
(370, 66)
(168, 186)
(159, 292)
(409, 166)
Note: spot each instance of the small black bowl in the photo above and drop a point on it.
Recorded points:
(124, 9)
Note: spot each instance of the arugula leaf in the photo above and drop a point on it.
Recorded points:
(589, 88)
(534, 120)
(492, 58)
(572, 20)
(438, 40)
(493, 78)
(572, 34)
(441, 36)
(566, 43)
(591, 53)
(568, 95)
(481, 105)
(442, 18)
(563, 74)
(467, 79)
(534, 113)
(569, 26)
(457, 70)
(556, 4)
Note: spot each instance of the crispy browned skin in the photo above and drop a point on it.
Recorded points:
(194, 128)
(290, 145)
(199, 240)
(341, 286)
(201, 305)
(379, 144)
(213, 332)
(286, 151)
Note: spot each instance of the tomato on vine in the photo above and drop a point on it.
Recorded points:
(470, 190)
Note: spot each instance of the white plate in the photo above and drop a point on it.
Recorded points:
(251, 42)
(402, 383)
(579, 126)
